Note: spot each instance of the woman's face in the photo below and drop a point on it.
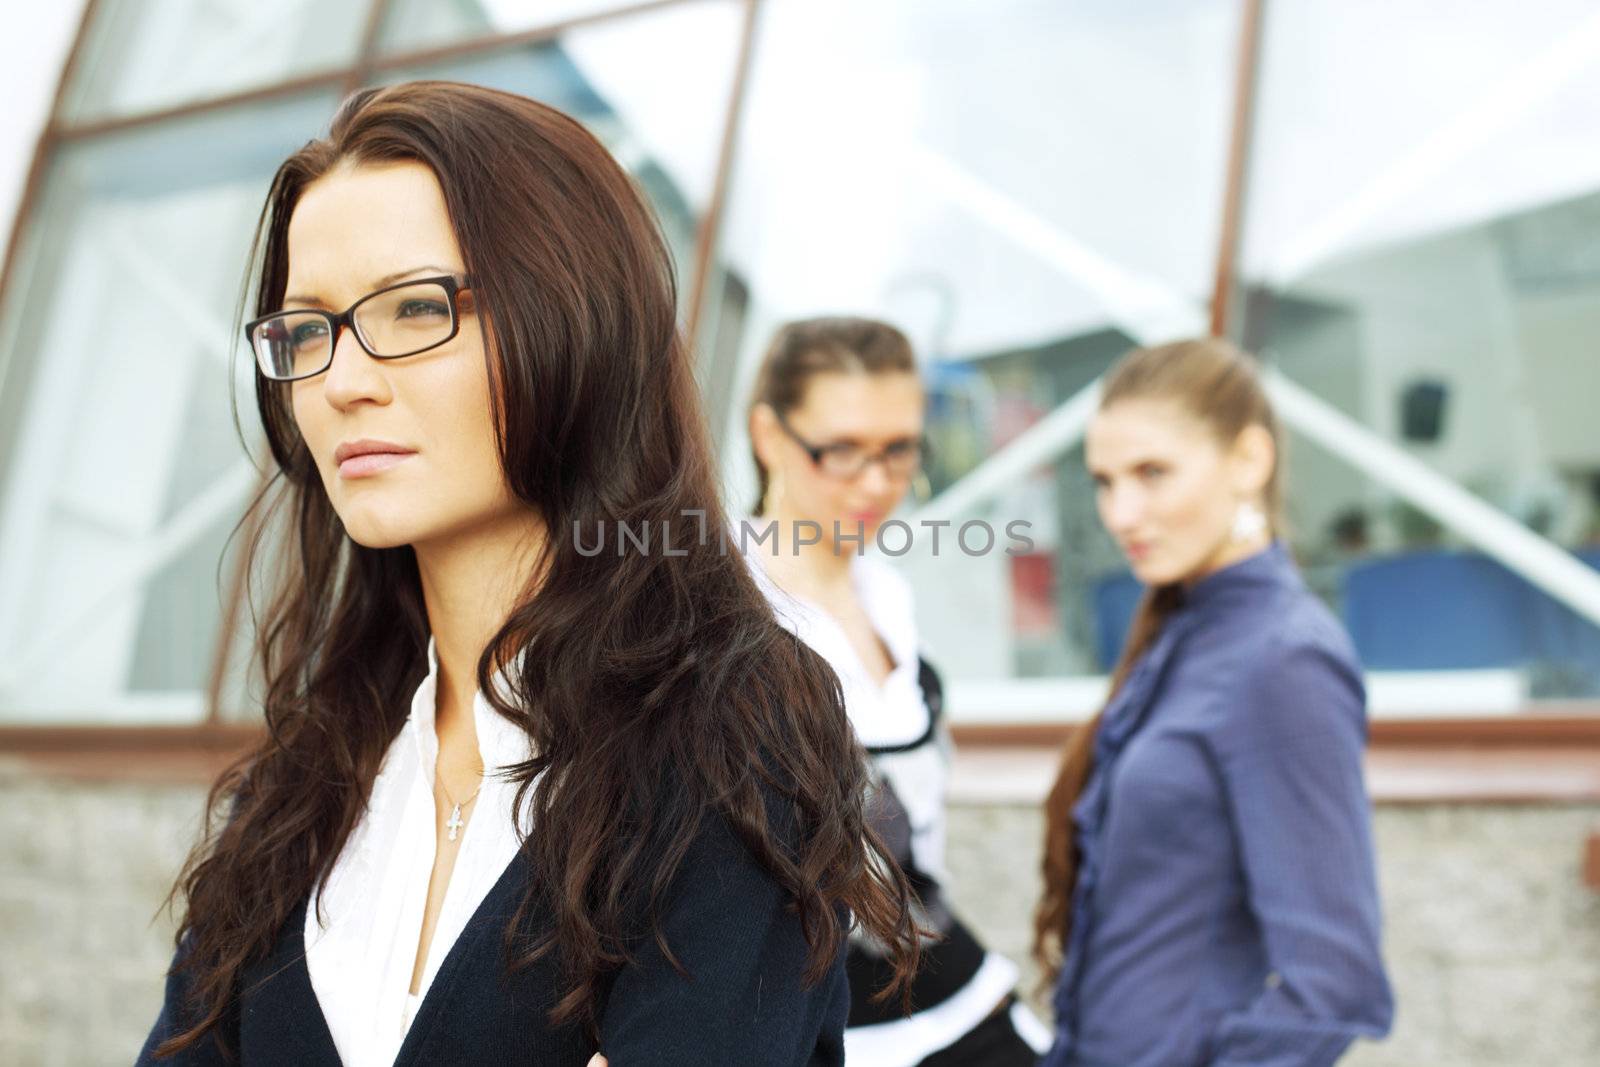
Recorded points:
(865, 412)
(357, 229)
(1168, 490)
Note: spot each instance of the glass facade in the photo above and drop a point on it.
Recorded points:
(1028, 188)
(416, 24)
(145, 55)
(1425, 262)
(123, 471)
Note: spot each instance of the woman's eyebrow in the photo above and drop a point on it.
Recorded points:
(378, 283)
(430, 268)
(1110, 470)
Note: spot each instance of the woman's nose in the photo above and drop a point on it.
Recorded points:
(875, 477)
(353, 375)
(1120, 509)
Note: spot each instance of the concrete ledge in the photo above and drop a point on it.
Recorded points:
(1402, 774)
(1510, 760)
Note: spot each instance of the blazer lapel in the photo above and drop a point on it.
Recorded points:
(280, 1019)
(478, 946)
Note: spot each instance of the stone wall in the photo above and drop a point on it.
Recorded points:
(1493, 941)
(83, 871)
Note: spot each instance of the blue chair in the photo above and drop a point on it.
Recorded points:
(1564, 639)
(1438, 610)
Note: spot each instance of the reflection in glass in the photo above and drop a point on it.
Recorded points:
(1425, 262)
(1028, 190)
(140, 55)
(124, 469)
(416, 24)
(1044, 596)
(654, 88)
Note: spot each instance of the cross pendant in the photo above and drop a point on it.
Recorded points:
(455, 823)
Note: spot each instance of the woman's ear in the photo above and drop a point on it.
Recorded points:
(1252, 460)
(765, 434)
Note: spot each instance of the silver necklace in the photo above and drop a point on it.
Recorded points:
(455, 822)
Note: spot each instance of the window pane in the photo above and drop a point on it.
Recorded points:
(988, 191)
(145, 54)
(123, 471)
(629, 82)
(1042, 586)
(416, 24)
(1421, 255)
(1029, 189)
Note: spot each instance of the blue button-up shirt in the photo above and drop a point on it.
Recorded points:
(1226, 911)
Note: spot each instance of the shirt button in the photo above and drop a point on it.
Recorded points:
(1274, 980)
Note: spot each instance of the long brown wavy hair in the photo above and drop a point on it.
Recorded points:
(658, 689)
(1220, 385)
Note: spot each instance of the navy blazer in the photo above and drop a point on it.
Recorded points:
(725, 919)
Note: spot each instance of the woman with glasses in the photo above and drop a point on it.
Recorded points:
(836, 431)
(515, 803)
(1209, 888)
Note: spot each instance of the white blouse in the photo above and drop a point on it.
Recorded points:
(884, 716)
(373, 899)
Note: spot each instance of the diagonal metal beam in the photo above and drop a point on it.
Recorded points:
(1144, 307)
(1542, 562)
(1039, 445)
(1545, 564)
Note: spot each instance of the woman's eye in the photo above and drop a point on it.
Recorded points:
(1151, 471)
(416, 309)
(308, 333)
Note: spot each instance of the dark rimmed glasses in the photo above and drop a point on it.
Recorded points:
(845, 460)
(398, 320)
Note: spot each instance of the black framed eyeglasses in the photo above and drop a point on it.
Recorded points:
(398, 320)
(845, 460)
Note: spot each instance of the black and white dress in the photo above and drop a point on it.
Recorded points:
(899, 723)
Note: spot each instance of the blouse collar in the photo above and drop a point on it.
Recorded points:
(875, 592)
(1271, 567)
(501, 742)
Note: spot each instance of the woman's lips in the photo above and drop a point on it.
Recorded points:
(370, 463)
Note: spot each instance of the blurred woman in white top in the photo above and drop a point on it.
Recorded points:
(836, 429)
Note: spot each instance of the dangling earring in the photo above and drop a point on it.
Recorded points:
(1249, 522)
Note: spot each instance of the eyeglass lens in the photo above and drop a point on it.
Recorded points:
(900, 459)
(396, 322)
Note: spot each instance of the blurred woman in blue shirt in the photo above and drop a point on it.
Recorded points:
(1210, 897)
